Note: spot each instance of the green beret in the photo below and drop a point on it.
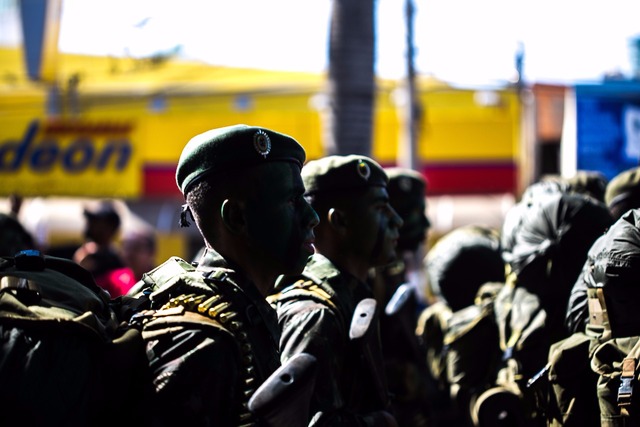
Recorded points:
(623, 188)
(404, 182)
(340, 173)
(593, 183)
(233, 147)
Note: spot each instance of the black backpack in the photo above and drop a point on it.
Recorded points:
(65, 358)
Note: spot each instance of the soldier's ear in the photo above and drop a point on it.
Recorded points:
(337, 219)
(232, 215)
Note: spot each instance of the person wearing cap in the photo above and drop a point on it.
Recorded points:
(98, 253)
(591, 183)
(244, 191)
(623, 192)
(319, 311)
(399, 288)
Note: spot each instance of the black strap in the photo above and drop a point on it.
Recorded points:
(34, 260)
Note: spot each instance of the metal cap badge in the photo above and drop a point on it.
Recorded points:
(404, 183)
(262, 143)
(364, 170)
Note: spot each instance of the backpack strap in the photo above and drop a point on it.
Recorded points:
(627, 377)
(32, 260)
(168, 272)
(40, 280)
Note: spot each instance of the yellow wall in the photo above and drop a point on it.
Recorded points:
(456, 127)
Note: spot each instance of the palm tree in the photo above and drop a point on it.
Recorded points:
(349, 124)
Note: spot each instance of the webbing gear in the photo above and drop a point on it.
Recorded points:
(627, 378)
(214, 308)
(306, 287)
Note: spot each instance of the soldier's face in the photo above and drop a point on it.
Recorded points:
(279, 219)
(373, 227)
(415, 224)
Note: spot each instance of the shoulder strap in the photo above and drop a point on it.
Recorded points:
(304, 288)
(463, 322)
(32, 260)
(627, 376)
(41, 281)
(308, 287)
(166, 272)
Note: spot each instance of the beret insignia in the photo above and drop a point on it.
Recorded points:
(262, 143)
(364, 170)
(404, 183)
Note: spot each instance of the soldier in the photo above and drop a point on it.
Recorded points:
(329, 310)
(586, 367)
(622, 193)
(465, 270)
(591, 183)
(613, 305)
(399, 287)
(213, 338)
(549, 250)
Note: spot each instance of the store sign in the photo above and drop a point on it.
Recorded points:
(71, 158)
(607, 118)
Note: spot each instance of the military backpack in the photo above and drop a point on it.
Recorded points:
(65, 358)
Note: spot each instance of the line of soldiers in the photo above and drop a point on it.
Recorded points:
(307, 305)
(553, 342)
(315, 232)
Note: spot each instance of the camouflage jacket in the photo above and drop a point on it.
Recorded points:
(211, 338)
(314, 312)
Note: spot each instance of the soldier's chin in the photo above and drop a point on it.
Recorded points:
(390, 258)
(309, 248)
(297, 269)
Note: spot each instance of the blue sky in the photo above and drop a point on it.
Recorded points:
(461, 41)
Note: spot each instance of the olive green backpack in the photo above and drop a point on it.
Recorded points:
(65, 359)
(462, 350)
(616, 362)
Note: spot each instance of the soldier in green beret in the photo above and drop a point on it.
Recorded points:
(399, 288)
(591, 183)
(211, 336)
(329, 310)
(623, 192)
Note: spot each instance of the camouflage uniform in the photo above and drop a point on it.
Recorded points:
(314, 312)
(398, 289)
(207, 366)
(212, 339)
(319, 310)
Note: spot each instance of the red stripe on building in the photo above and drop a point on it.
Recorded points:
(494, 178)
(471, 179)
(160, 181)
